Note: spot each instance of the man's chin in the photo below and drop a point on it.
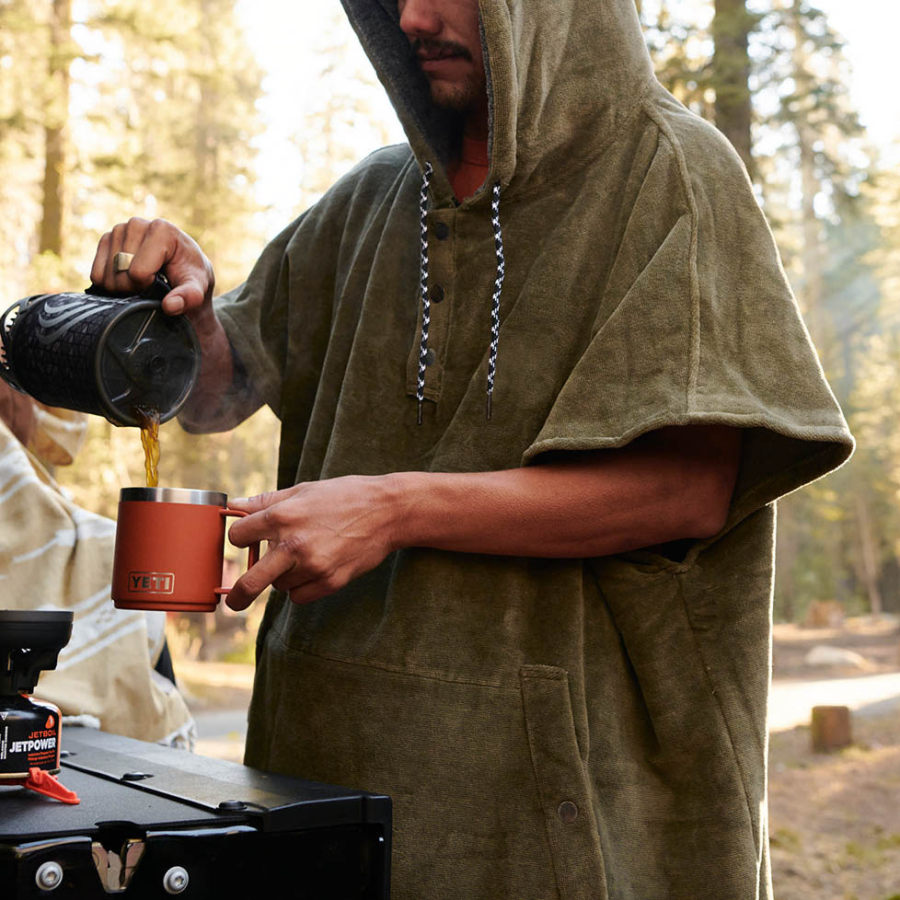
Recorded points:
(452, 97)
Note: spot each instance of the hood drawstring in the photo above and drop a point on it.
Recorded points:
(423, 288)
(426, 300)
(495, 305)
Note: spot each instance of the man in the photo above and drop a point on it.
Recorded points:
(541, 380)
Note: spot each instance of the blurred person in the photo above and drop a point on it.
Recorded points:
(56, 555)
(541, 380)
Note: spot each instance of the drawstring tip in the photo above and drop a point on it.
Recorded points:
(489, 408)
(419, 413)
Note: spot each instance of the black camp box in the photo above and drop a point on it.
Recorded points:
(163, 823)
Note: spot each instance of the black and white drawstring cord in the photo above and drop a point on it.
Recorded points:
(423, 288)
(498, 288)
(426, 301)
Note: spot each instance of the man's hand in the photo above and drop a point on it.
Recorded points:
(321, 535)
(671, 484)
(158, 246)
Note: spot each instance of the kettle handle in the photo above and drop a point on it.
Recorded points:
(156, 290)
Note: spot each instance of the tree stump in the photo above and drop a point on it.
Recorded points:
(830, 728)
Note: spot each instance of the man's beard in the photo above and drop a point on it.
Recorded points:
(460, 97)
(456, 97)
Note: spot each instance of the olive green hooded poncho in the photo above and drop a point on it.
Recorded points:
(583, 728)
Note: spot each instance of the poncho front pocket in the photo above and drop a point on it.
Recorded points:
(562, 783)
(468, 766)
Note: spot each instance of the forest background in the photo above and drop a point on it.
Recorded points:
(114, 108)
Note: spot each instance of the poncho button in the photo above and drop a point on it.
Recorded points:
(567, 811)
(430, 357)
(436, 293)
(441, 230)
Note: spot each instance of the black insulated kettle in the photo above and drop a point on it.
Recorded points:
(119, 356)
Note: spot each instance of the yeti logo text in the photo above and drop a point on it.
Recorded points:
(151, 582)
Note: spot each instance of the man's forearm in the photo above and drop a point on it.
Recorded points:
(217, 402)
(671, 486)
(674, 483)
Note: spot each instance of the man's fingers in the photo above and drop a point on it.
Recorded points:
(260, 502)
(256, 579)
(174, 303)
(154, 246)
(126, 237)
(101, 257)
(188, 295)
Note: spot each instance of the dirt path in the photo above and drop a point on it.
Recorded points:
(835, 818)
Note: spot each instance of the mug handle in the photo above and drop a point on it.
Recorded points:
(252, 550)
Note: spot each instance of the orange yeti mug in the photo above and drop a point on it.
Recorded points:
(170, 549)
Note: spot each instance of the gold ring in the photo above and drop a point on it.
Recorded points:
(121, 261)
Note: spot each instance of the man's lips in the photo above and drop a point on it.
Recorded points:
(433, 63)
(439, 55)
(431, 54)
(449, 65)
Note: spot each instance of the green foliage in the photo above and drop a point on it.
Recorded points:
(682, 53)
(173, 120)
(161, 120)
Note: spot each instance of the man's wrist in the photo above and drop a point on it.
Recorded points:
(204, 321)
(404, 503)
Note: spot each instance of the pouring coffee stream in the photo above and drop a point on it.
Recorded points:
(149, 419)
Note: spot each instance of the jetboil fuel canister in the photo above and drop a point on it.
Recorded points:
(111, 356)
(29, 737)
(30, 642)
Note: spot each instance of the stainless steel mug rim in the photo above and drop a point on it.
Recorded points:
(173, 495)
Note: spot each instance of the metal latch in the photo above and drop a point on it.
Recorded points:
(116, 869)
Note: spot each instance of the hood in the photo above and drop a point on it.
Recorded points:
(562, 79)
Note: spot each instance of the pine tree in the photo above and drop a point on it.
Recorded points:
(682, 51)
(56, 127)
(812, 180)
(730, 70)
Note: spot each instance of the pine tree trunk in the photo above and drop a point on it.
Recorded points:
(201, 220)
(731, 76)
(55, 128)
(811, 250)
(868, 555)
(786, 558)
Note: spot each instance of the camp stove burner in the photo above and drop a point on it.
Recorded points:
(30, 642)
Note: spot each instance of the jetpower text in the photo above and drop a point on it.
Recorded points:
(33, 745)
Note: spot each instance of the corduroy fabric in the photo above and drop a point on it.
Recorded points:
(546, 728)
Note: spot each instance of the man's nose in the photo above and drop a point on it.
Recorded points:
(420, 18)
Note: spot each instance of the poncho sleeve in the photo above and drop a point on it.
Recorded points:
(255, 317)
(698, 325)
(279, 320)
